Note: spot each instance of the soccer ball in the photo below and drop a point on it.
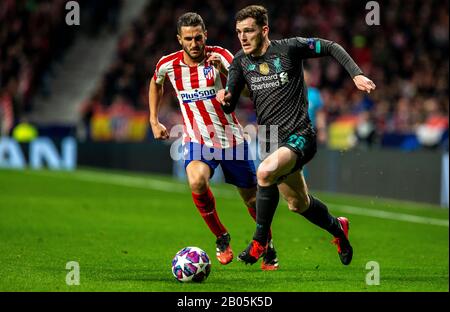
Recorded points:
(191, 264)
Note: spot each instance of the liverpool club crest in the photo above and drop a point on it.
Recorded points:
(264, 68)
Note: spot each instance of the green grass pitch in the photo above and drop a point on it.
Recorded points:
(124, 229)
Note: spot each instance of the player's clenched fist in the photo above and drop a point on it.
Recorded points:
(159, 131)
(215, 59)
(363, 83)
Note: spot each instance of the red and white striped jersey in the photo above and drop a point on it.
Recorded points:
(196, 88)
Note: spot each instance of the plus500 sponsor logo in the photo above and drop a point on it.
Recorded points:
(198, 95)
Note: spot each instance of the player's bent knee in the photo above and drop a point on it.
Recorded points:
(198, 185)
(264, 177)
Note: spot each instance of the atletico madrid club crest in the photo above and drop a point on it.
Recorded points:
(208, 71)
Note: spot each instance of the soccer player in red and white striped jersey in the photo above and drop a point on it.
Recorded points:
(197, 72)
(196, 86)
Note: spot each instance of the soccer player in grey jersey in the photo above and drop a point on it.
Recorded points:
(273, 73)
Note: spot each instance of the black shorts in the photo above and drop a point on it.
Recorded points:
(305, 146)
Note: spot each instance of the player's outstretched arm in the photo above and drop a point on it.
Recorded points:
(154, 98)
(338, 52)
(317, 47)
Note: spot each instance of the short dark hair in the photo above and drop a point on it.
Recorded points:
(258, 12)
(190, 19)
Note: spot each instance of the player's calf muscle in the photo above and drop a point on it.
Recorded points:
(248, 195)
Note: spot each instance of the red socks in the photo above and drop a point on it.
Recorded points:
(206, 205)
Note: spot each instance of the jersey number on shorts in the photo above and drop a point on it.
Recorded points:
(297, 141)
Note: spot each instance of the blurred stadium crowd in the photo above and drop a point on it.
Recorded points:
(406, 56)
(28, 33)
(33, 39)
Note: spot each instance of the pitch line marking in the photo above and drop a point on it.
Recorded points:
(171, 187)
